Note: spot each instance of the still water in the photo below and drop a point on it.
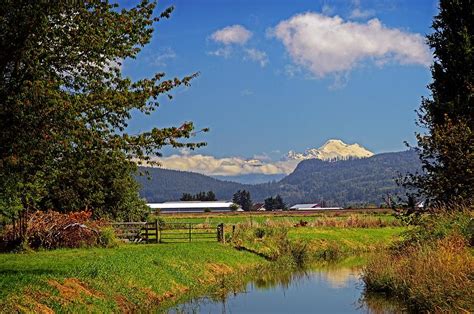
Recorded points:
(317, 290)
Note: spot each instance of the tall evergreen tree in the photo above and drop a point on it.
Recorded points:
(210, 196)
(279, 204)
(447, 149)
(273, 203)
(242, 198)
(237, 198)
(269, 203)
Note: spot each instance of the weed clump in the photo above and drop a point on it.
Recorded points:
(432, 269)
(271, 242)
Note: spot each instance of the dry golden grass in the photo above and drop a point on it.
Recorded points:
(436, 277)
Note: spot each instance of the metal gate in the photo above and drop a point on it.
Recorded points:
(162, 232)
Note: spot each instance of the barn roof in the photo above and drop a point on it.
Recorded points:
(190, 204)
(315, 205)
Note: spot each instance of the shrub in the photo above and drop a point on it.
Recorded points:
(107, 237)
(50, 230)
(431, 277)
(432, 269)
(270, 242)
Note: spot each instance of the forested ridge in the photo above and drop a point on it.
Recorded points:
(345, 182)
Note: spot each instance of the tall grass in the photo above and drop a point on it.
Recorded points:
(271, 242)
(355, 221)
(432, 269)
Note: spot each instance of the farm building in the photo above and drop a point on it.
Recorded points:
(314, 206)
(258, 207)
(191, 206)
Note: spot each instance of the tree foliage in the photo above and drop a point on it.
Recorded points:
(242, 198)
(64, 106)
(447, 149)
(273, 203)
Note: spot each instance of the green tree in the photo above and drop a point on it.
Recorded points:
(201, 196)
(64, 106)
(273, 203)
(279, 203)
(242, 198)
(186, 197)
(269, 203)
(237, 198)
(210, 196)
(447, 149)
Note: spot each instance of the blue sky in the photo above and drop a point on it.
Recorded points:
(260, 95)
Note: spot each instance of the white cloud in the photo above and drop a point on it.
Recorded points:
(224, 52)
(359, 13)
(235, 34)
(257, 55)
(329, 45)
(210, 165)
(162, 58)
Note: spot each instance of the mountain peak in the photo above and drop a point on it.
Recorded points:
(333, 149)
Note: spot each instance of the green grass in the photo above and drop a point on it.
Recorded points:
(129, 276)
(331, 244)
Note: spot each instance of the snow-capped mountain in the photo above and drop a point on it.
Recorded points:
(332, 150)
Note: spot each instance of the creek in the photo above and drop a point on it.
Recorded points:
(332, 288)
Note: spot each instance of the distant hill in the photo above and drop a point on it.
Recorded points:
(347, 182)
(169, 185)
(341, 182)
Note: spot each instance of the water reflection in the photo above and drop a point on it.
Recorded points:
(315, 290)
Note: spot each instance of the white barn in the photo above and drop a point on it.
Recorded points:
(192, 206)
(314, 206)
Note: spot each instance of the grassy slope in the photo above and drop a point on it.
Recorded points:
(113, 279)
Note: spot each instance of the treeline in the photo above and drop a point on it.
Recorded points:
(201, 196)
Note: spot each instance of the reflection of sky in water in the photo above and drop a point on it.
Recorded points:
(340, 278)
(317, 291)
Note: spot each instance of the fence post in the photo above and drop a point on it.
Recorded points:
(189, 232)
(146, 232)
(156, 230)
(159, 231)
(220, 233)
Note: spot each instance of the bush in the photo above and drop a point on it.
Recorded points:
(270, 242)
(432, 269)
(431, 278)
(51, 230)
(108, 238)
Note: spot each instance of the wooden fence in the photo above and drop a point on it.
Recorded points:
(156, 232)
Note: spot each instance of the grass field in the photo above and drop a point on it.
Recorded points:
(117, 279)
(144, 277)
(353, 237)
(290, 217)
